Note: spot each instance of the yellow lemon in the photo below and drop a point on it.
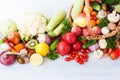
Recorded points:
(42, 49)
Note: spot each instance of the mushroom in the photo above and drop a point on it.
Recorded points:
(102, 14)
(113, 17)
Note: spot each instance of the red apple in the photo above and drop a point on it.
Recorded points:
(13, 37)
(81, 20)
(96, 30)
(76, 30)
(85, 32)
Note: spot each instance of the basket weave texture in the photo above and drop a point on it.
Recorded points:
(92, 35)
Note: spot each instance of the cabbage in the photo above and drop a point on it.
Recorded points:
(117, 8)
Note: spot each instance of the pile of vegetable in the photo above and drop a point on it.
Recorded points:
(35, 37)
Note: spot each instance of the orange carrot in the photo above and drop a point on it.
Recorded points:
(92, 22)
(18, 47)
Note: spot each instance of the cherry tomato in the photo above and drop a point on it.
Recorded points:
(82, 50)
(67, 59)
(81, 61)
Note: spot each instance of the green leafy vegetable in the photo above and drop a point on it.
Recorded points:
(81, 39)
(89, 43)
(111, 42)
(110, 2)
(67, 25)
(104, 22)
(53, 55)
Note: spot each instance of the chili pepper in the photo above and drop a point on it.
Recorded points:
(114, 54)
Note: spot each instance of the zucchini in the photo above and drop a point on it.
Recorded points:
(58, 30)
(77, 8)
(54, 44)
(55, 20)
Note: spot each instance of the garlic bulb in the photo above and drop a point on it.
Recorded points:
(102, 14)
(98, 54)
(102, 43)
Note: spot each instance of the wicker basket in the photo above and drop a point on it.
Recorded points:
(92, 35)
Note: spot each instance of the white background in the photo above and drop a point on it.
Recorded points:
(104, 69)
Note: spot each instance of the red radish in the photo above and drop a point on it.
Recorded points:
(69, 38)
(96, 30)
(7, 60)
(85, 32)
(63, 48)
(76, 30)
(77, 46)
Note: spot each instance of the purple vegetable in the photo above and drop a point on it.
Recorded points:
(5, 59)
(47, 39)
(44, 38)
(94, 47)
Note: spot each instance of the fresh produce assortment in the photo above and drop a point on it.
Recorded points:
(35, 37)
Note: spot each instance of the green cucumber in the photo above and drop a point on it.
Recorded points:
(55, 20)
(58, 30)
(77, 8)
(54, 44)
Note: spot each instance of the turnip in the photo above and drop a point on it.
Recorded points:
(5, 59)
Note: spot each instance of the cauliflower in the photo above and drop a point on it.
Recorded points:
(31, 24)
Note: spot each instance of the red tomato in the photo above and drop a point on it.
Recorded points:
(115, 54)
(69, 37)
(63, 48)
(77, 46)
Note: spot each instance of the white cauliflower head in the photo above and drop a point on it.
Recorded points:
(31, 24)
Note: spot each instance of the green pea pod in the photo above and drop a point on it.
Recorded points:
(54, 44)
